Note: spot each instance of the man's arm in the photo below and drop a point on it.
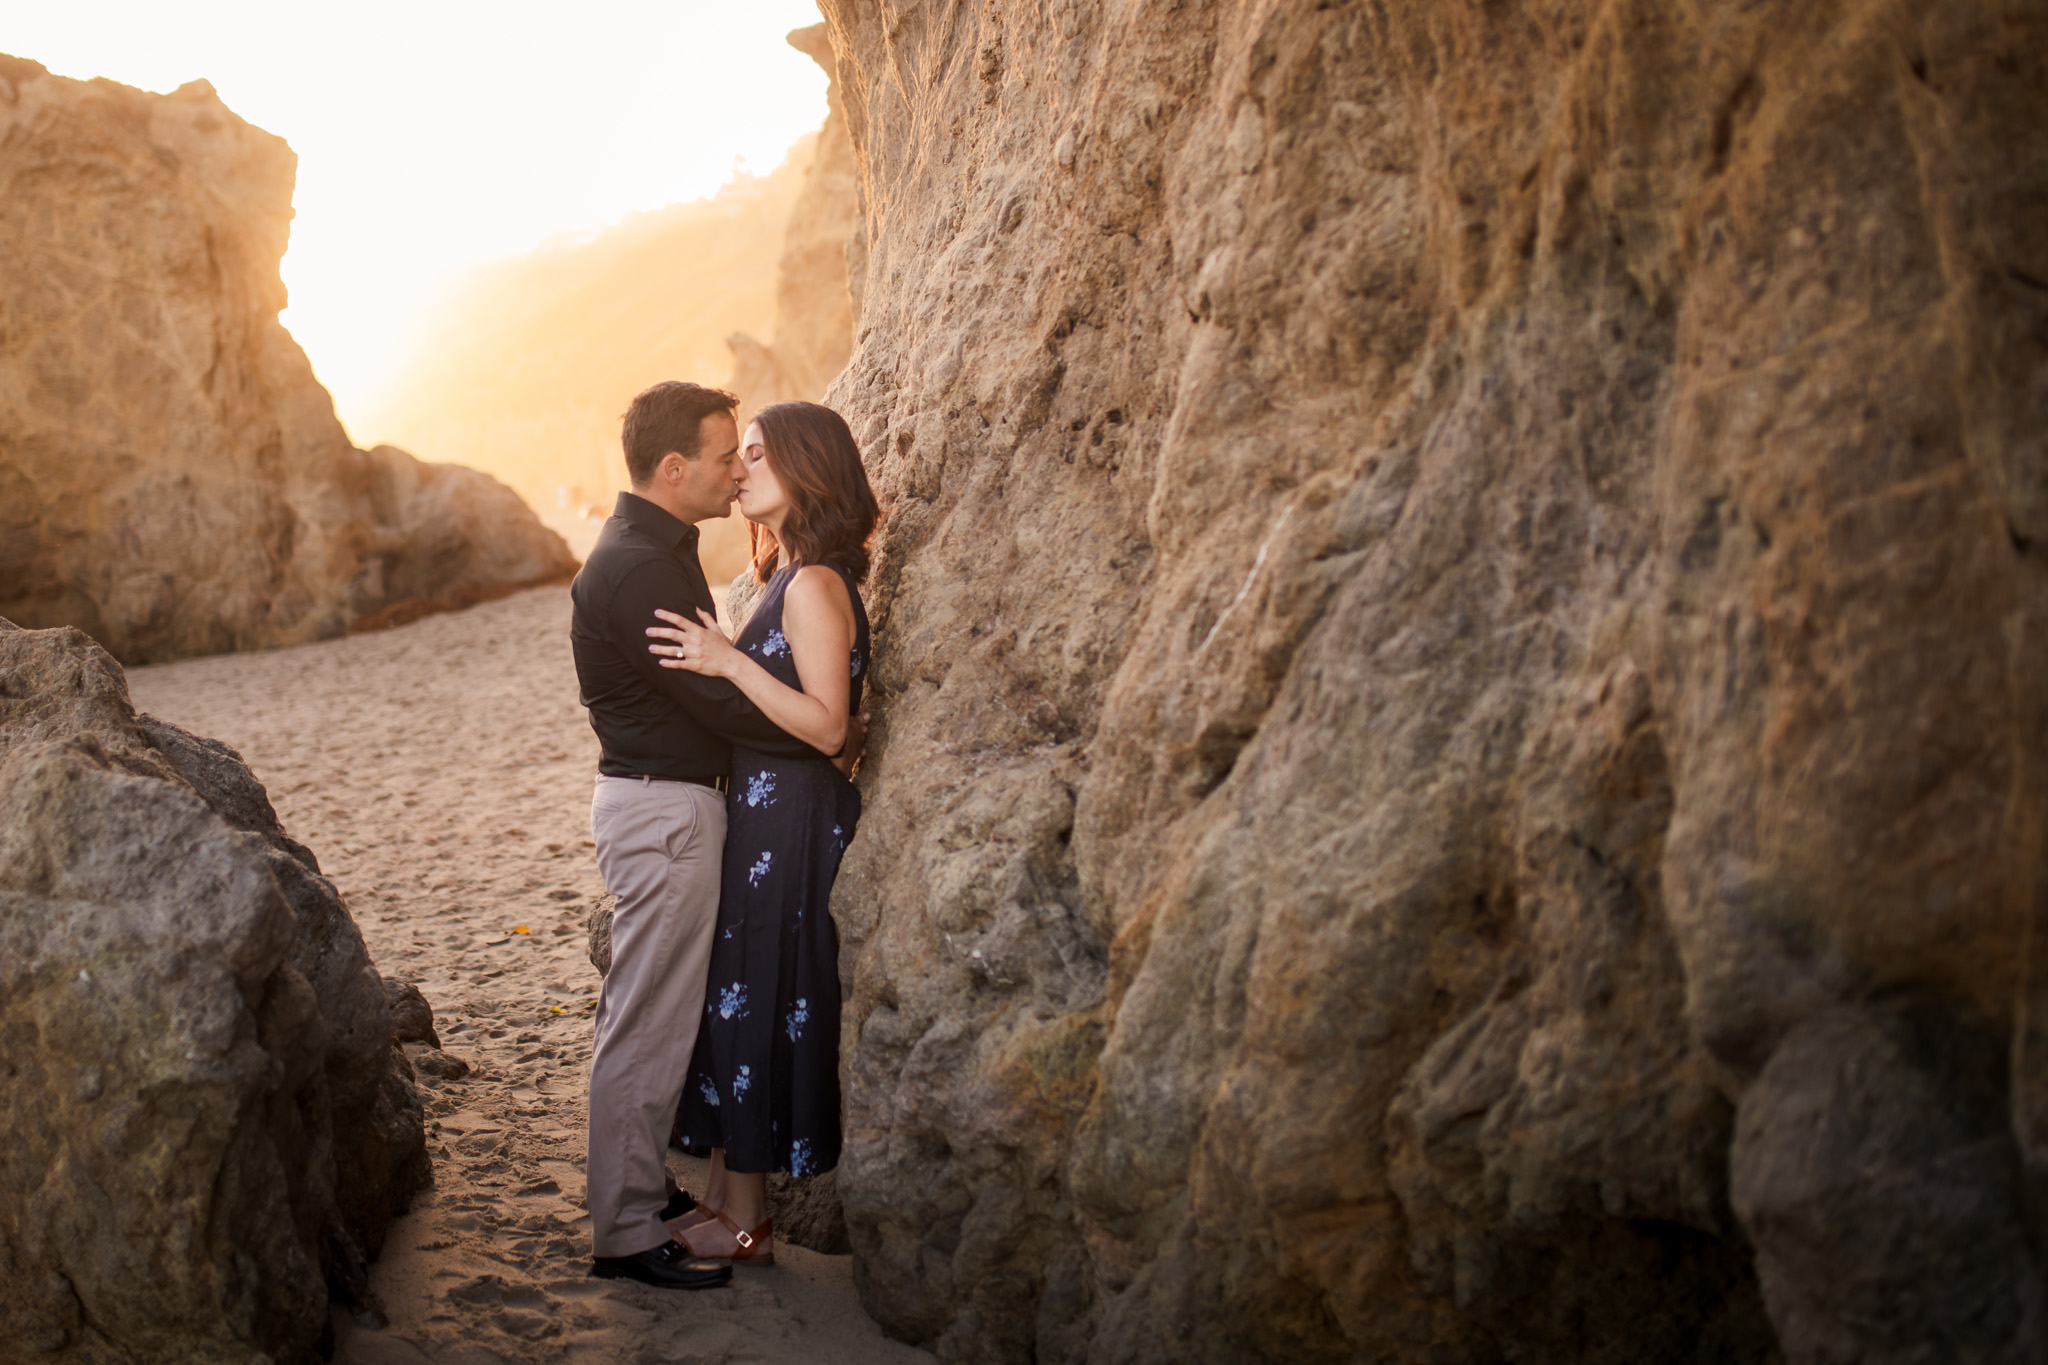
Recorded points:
(713, 702)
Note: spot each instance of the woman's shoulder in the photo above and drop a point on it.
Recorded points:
(819, 585)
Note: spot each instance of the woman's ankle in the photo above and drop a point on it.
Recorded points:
(746, 1199)
(714, 1180)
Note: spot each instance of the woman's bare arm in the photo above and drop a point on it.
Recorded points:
(817, 621)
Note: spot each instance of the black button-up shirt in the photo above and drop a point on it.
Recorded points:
(653, 721)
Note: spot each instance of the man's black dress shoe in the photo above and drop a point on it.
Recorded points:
(668, 1266)
(679, 1204)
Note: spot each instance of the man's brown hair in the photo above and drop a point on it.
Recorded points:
(832, 511)
(667, 418)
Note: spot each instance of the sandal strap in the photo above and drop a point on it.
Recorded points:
(744, 1238)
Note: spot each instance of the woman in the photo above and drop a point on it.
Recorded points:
(763, 1088)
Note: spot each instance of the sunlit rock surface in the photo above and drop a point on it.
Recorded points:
(172, 477)
(1458, 770)
(813, 308)
(204, 1122)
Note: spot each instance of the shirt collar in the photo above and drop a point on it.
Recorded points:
(658, 522)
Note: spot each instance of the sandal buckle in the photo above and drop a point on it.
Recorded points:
(746, 1241)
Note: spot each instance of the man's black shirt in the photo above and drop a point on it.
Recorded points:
(653, 721)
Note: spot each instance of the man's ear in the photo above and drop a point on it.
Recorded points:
(671, 465)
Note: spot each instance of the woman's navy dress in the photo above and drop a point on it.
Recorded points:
(764, 1082)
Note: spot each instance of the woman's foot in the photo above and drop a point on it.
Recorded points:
(718, 1238)
(700, 1214)
(683, 1211)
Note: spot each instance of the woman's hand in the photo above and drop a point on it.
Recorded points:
(856, 744)
(701, 648)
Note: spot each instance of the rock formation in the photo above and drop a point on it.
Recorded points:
(813, 308)
(204, 1121)
(1462, 652)
(173, 479)
(412, 1029)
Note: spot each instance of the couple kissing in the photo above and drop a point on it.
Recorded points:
(722, 809)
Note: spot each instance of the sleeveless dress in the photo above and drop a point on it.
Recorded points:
(764, 1081)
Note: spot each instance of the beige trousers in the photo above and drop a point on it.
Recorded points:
(659, 847)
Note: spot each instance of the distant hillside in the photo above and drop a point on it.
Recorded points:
(528, 368)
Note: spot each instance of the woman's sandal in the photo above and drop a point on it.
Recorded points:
(749, 1249)
(690, 1218)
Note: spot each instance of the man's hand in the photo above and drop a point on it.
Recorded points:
(856, 745)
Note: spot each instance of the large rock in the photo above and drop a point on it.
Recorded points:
(204, 1122)
(172, 477)
(1460, 632)
(813, 302)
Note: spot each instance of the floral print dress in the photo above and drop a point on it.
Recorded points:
(764, 1082)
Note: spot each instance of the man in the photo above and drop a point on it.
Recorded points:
(658, 818)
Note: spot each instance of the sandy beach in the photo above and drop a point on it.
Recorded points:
(441, 772)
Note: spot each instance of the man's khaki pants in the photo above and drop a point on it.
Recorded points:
(659, 847)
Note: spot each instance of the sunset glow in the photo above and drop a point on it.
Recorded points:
(434, 137)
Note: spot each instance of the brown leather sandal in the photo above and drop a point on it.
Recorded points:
(749, 1242)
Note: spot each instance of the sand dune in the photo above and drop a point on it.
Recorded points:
(441, 771)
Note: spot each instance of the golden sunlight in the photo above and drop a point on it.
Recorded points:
(523, 370)
(434, 139)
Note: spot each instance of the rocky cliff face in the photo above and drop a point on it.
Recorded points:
(813, 308)
(1461, 680)
(172, 477)
(204, 1121)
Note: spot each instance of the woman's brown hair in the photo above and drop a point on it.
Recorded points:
(832, 511)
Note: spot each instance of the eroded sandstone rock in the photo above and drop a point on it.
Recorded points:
(598, 922)
(412, 1018)
(205, 1123)
(807, 1212)
(172, 477)
(813, 308)
(1460, 629)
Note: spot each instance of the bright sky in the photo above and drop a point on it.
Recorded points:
(434, 135)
